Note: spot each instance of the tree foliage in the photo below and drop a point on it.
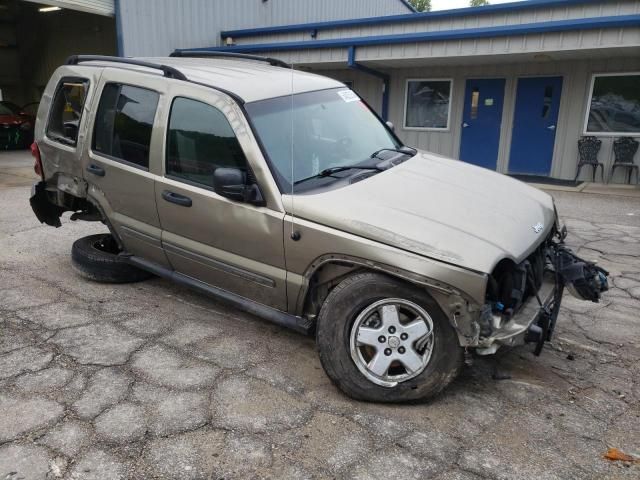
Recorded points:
(479, 3)
(421, 5)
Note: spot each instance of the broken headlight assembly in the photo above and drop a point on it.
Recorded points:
(524, 299)
(584, 280)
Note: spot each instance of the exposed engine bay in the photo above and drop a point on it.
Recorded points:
(529, 294)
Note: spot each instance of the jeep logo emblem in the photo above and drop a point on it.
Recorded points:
(538, 227)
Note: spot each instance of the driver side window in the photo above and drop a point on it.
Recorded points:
(200, 140)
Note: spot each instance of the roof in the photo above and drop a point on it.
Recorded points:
(248, 79)
(404, 18)
(411, 8)
(620, 21)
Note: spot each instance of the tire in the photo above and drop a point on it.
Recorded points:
(96, 257)
(353, 298)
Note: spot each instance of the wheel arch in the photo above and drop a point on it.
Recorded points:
(327, 271)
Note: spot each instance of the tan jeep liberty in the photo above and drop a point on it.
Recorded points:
(284, 194)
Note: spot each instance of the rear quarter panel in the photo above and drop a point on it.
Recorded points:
(57, 158)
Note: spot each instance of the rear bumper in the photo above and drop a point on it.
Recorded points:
(46, 211)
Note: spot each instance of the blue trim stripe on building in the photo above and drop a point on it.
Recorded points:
(463, 34)
(403, 18)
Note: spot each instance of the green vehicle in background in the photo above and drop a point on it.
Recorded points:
(16, 127)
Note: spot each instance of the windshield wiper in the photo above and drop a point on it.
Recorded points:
(327, 172)
(403, 150)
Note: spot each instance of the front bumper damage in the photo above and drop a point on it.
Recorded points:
(535, 319)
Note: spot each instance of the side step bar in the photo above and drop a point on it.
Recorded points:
(272, 315)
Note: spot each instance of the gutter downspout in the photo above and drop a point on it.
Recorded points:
(386, 79)
(117, 12)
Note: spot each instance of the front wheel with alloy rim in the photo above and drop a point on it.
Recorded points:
(383, 340)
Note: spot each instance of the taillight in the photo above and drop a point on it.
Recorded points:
(37, 165)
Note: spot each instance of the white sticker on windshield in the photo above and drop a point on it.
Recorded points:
(348, 96)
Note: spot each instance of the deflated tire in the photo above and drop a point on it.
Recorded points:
(97, 257)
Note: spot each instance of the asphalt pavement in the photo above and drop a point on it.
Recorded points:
(150, 380)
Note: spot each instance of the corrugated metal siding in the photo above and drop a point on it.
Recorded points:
(534, 15)
(515, 45)
(99, 7)
(157, 27)
(534, 43)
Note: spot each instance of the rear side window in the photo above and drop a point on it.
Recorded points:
(124, 122)
(66, 110)
(200, 139)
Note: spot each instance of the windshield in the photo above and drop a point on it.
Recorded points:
(7, 108)
(330, 128)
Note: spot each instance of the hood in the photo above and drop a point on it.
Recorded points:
(440, 208)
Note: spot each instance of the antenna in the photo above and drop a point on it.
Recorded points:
(295, 236)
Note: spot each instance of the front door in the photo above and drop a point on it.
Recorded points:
(534, 125)
(481, 122)
(230, 245)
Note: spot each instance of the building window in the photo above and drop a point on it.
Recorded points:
(614, 106)
(66, 111)
(475, 101)
(200, 139)
(124, 123)
(428, 104)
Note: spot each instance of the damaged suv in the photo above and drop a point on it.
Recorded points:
(283, 193)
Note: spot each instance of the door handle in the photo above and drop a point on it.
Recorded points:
(96, 170)
(551, 127)
(177, 198)
(465, 125)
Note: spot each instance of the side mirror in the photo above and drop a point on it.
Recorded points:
(391, 126)
(232, 183)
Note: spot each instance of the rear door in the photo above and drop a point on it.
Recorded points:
(230, 245)
(62, 121)
(119, 163)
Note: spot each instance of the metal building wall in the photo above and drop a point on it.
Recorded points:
(518, 44)
(534, 14)
(575, 96)
(157, 27)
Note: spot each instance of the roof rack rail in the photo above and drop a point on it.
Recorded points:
(167, 71)
(209, 53)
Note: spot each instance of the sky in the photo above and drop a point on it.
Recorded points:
(447, 4)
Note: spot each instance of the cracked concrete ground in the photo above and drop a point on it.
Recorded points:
(150, 380)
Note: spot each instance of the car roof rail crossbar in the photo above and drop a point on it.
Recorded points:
(167, 71)
(274, 62)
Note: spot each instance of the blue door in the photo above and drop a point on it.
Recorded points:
(484, 99)
(534, 125)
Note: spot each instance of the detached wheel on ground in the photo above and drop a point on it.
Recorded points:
(382, 340)
(97, 258)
